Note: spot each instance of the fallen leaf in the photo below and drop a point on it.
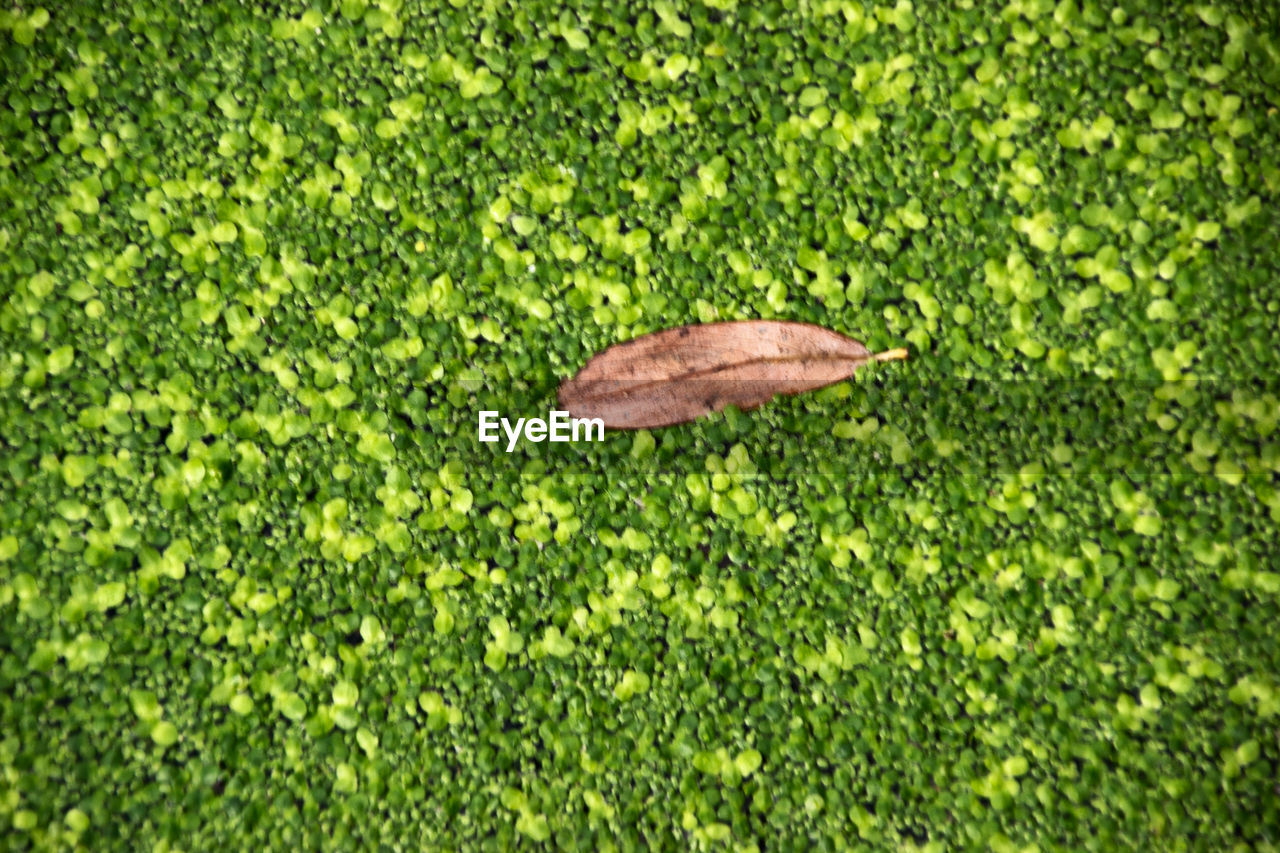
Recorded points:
(676, 375)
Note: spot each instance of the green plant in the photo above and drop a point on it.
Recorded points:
(261, 264)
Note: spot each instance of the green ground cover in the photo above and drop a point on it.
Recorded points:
(262, 264)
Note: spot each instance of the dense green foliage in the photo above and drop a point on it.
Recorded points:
(261, 265)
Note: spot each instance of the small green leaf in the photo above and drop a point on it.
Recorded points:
(164, 733)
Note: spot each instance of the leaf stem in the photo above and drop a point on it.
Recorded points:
(898, 354)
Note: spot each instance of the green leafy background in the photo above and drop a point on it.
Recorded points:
(262, 264)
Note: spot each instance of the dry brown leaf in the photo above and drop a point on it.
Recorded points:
(677, 375)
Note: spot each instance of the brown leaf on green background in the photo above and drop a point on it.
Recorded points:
(677, 375)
